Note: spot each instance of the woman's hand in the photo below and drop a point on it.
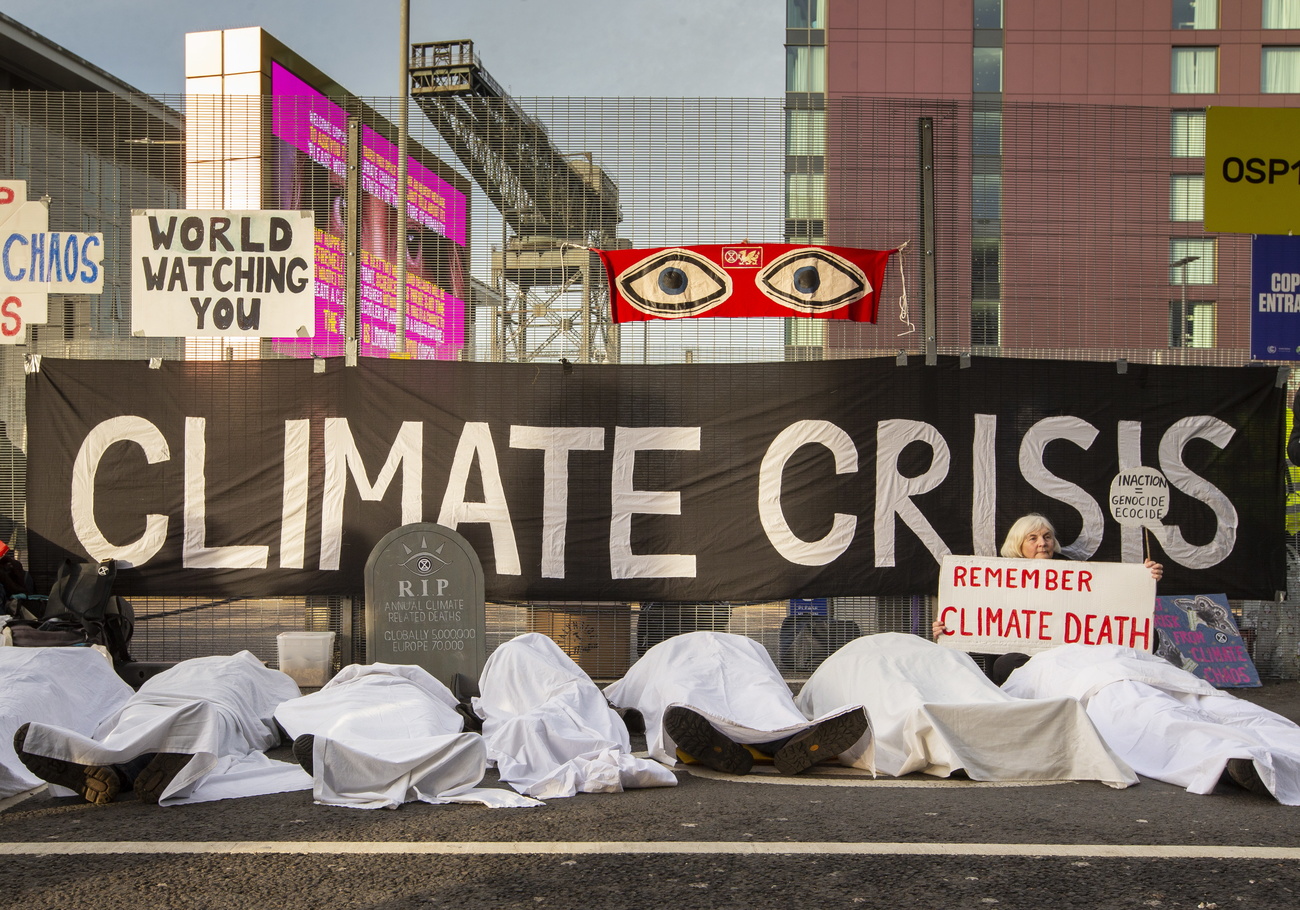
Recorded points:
(1157, 570)
(938, 628)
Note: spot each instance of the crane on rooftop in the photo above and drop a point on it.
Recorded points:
(556, 204)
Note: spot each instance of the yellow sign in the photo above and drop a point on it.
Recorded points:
(1252, 170)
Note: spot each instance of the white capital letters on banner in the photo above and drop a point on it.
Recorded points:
(196, 553)
(840, 536)
(556, 443)
(1082, 434)
(625, 501)
(1171, 537)
(476, 440)
(154, 445)
(342, 459)
(894, 492)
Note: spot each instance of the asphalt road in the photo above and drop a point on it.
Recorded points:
(834, 838)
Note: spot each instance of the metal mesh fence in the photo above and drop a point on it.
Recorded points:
(1057, 232)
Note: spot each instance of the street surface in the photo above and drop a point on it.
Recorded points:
(834, 838)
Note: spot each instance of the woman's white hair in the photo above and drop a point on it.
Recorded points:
(1024, 526)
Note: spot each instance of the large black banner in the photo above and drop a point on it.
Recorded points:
(679, 482)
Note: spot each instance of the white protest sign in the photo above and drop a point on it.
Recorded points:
(226, 273)
(997, 606)
(1139, 497)
(35, 261)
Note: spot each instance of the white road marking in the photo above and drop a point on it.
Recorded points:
(549, 848)
(838, 776)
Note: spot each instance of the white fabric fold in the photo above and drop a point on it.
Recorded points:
(933, 711)
(550, 730)
(388, 734)
(72, 688)
(1167, 723)
(728, 679)
(217, 709)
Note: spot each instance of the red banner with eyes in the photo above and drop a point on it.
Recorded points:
(746, 279)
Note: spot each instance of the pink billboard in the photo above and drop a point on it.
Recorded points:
(310, 141)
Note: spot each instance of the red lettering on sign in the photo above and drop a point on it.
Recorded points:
(11, 321)
(1144, 634)
(1085, 580)
(958, 576)
(1042, 626)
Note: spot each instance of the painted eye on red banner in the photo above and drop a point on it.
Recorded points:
(674, 283)
(813, 280)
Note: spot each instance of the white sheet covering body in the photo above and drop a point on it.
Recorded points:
(729, 679)
(934, 711)
(387, 734)
(550, 730)
(1167, 723)
(73, 688)
(217, 709)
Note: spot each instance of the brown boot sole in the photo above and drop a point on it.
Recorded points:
(96, 784)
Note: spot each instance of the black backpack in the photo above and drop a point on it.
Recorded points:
(80, 610)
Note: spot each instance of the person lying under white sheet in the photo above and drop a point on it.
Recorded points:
(933, 711)
(550, 730)
(381, 735)
(75, 688)
(1167, 723)
(193, 733)
(718, 699)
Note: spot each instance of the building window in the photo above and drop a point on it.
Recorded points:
(1196, 13)
(988, 13)
(805, 196)
(986, 197)
(1186, 197)
(985, 322)
(1191, 323)
(1195, 70)
(985, 269)
(805, 14)
(988, 69)
(1187, 134)
(987, 129)
(1279, 71)
(805, 69)
(1281, 14)
(1200, 270)
(805, 133)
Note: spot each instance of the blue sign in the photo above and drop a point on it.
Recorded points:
(809, 606)
(1198, 633)
(1275, 297)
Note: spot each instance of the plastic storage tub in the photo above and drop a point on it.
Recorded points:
(306, 656)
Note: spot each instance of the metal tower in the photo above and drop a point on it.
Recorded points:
(556, 206)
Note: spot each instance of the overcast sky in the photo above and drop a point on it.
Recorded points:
(534, 48)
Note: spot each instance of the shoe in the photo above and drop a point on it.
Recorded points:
(158, 775)
(826, 740)
(96, 784)
(1243, 774)
(699, 739)
(473, 723)
(634, 720)
(464, 688)
(304, 751)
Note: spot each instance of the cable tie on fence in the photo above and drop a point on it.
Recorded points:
(155, 363)
(1121, 365)
(1283, 377)
(31, 363)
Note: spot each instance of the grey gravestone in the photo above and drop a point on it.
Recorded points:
(424, 602)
